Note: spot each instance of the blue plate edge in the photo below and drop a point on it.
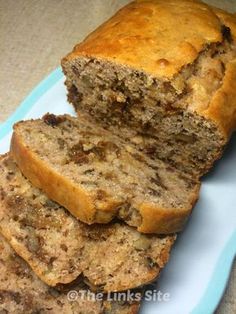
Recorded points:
(30, 100)
(216, 286)
(214, 292)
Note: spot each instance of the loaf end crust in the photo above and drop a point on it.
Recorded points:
(174, 33)
(168, 38)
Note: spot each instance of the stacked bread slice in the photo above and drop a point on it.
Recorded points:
(23, 293)
(105, 184)
(97, 176)
(93, 203)
(116, 229)
(97, 173)
(50, 262)
(60, 248)
(106, 240)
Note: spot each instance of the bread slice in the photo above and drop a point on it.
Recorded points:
(59, 248)
(97, 176)
(165, 70)
(21, 292)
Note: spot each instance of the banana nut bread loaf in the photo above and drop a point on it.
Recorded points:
(163, 75)
(59, 248)
(97, 176)
(21, 292)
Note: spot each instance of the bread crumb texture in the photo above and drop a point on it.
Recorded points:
(59, 248)
(98, 176)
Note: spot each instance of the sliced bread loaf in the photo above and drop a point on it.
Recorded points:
(166, 70)
(59, 248)
(97, 176)
(21, 292)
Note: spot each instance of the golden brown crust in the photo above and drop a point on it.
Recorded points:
(78, 202)
(165, 219)
(148, 28)
(222, 108)
(58, 187)
(227, 19)
(161, 30)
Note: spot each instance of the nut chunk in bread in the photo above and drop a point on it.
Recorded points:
(97, 176)
(59, 248)
(21, 292)
(162, 74)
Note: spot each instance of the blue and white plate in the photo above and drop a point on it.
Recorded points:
(196, 276)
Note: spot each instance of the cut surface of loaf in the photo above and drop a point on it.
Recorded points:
(21, 292)
(97, 176)
(165, 70)
(59, 248)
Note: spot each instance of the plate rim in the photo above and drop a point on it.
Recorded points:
(214, 291)
(30, 100)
